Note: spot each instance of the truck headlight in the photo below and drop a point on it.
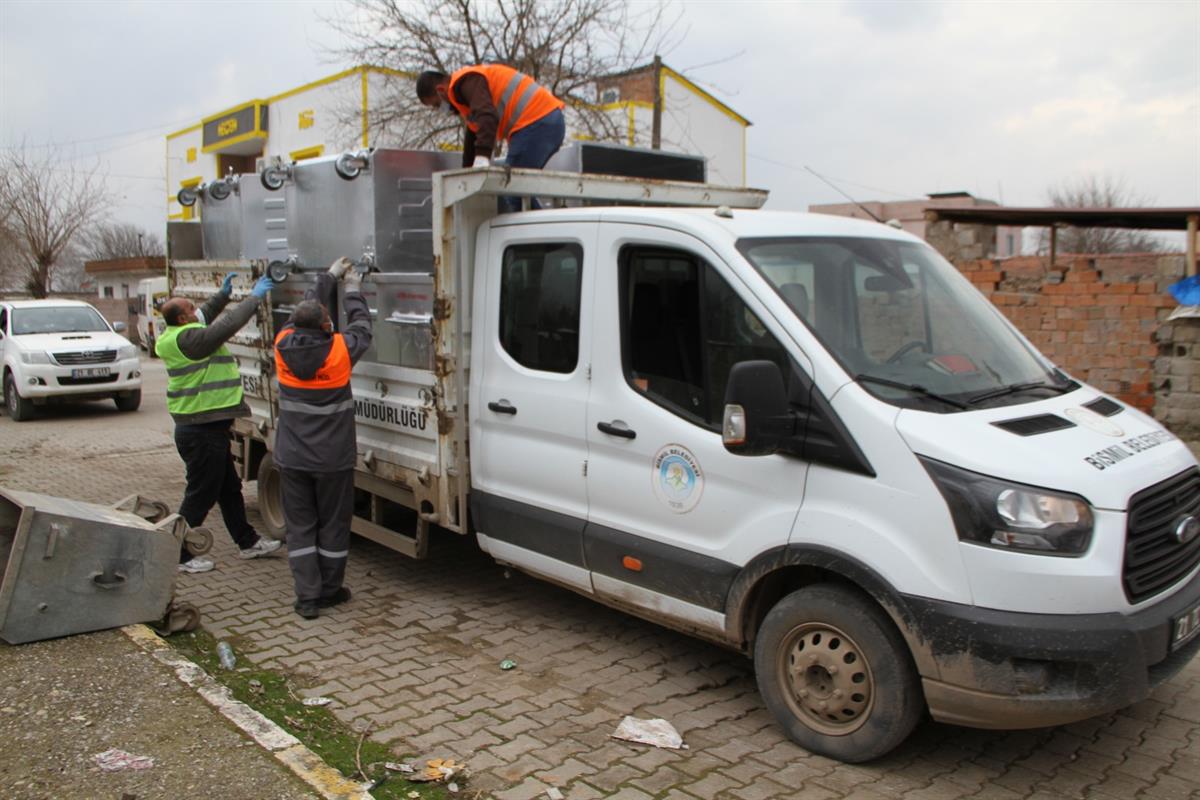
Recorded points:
(1011, 516)
(35, 357)
(127, 351)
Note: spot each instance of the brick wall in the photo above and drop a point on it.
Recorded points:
(1104, 320)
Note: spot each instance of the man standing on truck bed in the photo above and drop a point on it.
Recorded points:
(315, 448)
(204, 396)
(498, 103)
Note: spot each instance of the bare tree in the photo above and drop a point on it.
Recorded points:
(1092, 191)
(46, 205)
(565, 45)
(120, 240)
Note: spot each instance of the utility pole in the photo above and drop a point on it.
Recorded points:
(656, 128)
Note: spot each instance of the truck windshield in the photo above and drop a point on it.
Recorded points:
(56, 319)
(903, 323)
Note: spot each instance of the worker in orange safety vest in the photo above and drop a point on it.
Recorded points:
(498, 103)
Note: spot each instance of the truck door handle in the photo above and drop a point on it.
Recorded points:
(613, 429)
(502, 407)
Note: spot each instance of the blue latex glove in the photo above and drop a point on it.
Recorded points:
(227, 286)
(264, 285)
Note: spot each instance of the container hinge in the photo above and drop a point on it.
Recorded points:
(585, 468)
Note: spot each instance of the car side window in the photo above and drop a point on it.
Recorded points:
(3, 322)
(540, 287)
(683, 328)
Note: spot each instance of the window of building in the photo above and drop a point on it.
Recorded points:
(124, 290)
(108, 291)
(683, 328)
(540, 288)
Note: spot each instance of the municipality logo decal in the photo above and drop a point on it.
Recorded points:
(677, 478)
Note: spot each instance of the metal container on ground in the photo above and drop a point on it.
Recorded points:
(73, 567)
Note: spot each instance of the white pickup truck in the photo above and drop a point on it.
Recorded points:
(64, 349)
(805, 437)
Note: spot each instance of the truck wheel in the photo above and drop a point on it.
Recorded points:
(836, 674)
(19, 408)
(270, 497)
(129, 402)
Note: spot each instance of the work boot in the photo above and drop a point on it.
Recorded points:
(335, 599)
(306, 609)
(260, 548)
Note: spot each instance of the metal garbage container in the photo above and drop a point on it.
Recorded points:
(72, 567)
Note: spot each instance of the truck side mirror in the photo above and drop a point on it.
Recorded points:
(757, 417)
(119, 326)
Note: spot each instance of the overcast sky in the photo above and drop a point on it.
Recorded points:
(890, 100)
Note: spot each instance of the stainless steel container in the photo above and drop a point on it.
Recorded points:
(401, 318)
(250, 222)
(73, 567)
(383, 213)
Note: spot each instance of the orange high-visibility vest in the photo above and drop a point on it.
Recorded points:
(333, 374)
(518, 98)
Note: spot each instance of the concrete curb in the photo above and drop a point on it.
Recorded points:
(287, 749)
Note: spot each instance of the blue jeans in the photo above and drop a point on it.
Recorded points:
(531, 147)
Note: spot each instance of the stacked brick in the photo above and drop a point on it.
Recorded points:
(1103, 320)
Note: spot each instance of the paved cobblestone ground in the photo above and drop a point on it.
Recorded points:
(416, 657)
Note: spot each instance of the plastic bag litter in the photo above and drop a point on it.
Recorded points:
(657, 732)
(116, 760)
(1186, 291)
(317, 701)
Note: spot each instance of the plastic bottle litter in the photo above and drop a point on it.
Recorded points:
(225, 655)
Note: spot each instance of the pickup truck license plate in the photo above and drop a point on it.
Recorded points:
(1186, 626)
(90, 372)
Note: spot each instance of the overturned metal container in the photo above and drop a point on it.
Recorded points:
(72, 567)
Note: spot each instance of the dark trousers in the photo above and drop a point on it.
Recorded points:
(212, 479)
(317, 507)
(532, 147)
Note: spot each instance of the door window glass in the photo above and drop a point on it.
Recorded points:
(683, 329)
(540, 288)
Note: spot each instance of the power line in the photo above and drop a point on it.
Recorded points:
(96, 138)
(842, 180)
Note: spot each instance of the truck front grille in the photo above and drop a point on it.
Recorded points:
(86, 357)
(1155, 559)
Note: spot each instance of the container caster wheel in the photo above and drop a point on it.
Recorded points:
(198, 541)
(180, 618)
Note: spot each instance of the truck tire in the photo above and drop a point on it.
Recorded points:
(270, 498)
(129, 402)
(836, 674)
(19, 408)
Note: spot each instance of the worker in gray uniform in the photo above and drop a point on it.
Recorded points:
(315, 446)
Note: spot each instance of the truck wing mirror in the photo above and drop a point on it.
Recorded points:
(757, 417)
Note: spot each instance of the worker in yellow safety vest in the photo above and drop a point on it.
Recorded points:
(204, 396)
(497, 103)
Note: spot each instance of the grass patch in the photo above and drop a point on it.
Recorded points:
(272, 695)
